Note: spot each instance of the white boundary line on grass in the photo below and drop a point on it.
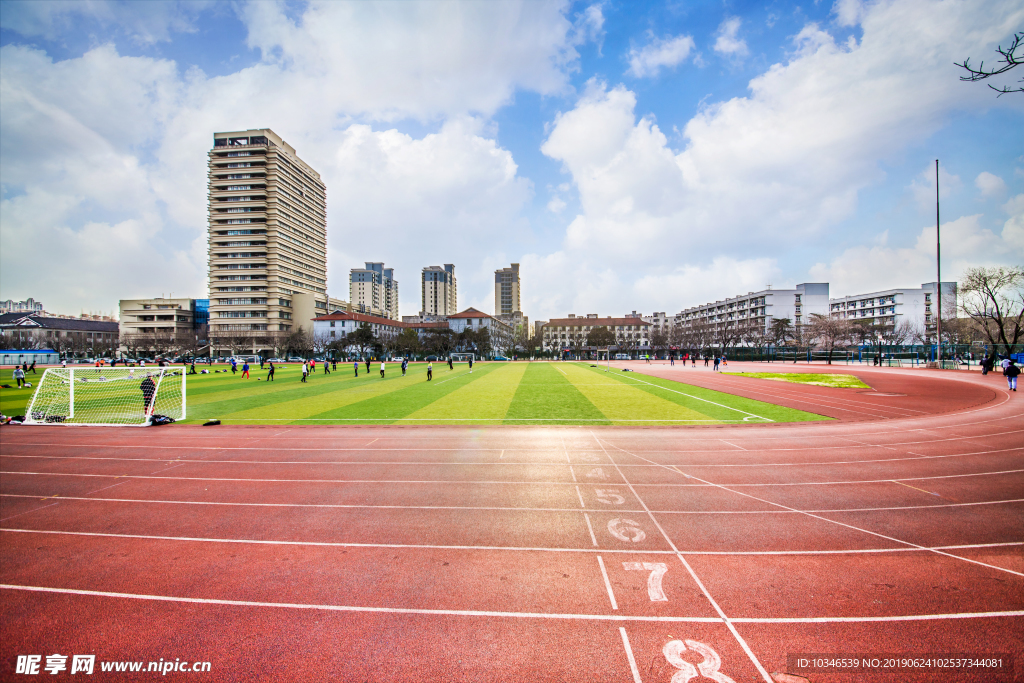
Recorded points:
(520, 615)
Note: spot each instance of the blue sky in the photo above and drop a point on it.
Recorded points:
(631, 156)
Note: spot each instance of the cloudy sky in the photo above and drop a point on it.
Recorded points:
(631, 156)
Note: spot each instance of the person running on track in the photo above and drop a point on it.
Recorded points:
(1011, 372)
(430, 371)
(270, 373)
(245, 369)
(382, 369)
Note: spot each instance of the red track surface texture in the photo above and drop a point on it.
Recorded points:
(528, 554)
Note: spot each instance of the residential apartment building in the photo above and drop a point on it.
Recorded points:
(267, 234)
(30, 305)
(757, 310)
(916, 307)
(337, 325)
(563, 334)
(374, 288)
(438, 291)
(473, 319)
(506, 290)
(167, 317)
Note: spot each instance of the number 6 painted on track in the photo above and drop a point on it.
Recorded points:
(708, 668)
(657, 570)
(626, 530)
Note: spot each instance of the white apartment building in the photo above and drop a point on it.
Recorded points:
(267, 234)
(30, 305)
(438, 291)
(915, 306)
(168, 317)
(506, 290)
(759, 309)
(373, 289)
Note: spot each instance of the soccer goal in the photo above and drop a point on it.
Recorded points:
(463, 357)
(107, 396)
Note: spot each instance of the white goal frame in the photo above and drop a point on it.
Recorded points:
(56, 401)
(463, 356)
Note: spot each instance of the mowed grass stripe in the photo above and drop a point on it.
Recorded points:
(627, 403)
(412, 393)
(715, 404)
(546, 396)
(477, 402)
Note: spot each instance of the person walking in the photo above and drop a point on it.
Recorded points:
(1011, 372)
(355, 366)
(19, 376)
(430, 371)
(367, 365)
(305, 370)
(693, 361)
(716, 364)
(327, 369)
(334, 364)
(382, 369)
(33, 367)
(405, 364)
(986, 365)
(270, 372)
(245, 369)
(672, 360)
(706, 359)
(234, 366)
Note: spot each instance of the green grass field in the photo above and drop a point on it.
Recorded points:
(823, 380)
(495, 393)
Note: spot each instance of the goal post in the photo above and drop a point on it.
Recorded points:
(107, 396)
(463, 357)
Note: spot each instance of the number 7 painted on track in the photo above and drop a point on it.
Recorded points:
(657, 571)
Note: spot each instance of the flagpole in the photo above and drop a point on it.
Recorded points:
(938, 272)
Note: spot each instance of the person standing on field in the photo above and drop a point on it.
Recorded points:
(382, 369)
(450, 367)
(405, 364)
(355, 366)
(471, 365)
(245, 369)
(270, 373)
(367, 365)
(148, 388)
(19, 376)
(430, 371)
(327, 368)
(305, 370)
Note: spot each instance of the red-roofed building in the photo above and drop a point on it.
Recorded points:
(560, 334)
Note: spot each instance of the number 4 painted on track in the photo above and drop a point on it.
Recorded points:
(657, 570)
(709, 668)
(610, 497)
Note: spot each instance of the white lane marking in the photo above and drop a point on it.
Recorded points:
(342, 544)
(702, 482)
(707, 594)
(372, 442)
(733, 445)
(731, 489)
(657, 572)
(626, 530)
(582, 504)
(629, 656)
(607, 583)
(501, 456)
(590, 528)
(573, 473)
(720, 405)
(525, 615)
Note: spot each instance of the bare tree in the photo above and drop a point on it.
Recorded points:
(1010, 60)
(320, 342)
(994, 299)
(828, 333)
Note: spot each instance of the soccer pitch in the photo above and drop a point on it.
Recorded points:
(538, 393)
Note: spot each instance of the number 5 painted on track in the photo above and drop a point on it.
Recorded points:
(657, 570)
(709, 668)
(610, 497)
(626, 530)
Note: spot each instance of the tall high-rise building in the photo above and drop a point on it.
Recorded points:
(268, 235)
(374, 290)
(438, 291)
(506, 290)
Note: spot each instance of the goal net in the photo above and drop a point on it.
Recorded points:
(463, 356)
(107, 396)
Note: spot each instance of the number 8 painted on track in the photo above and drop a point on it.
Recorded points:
(708, 668)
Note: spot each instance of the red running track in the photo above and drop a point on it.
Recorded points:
(529, 554)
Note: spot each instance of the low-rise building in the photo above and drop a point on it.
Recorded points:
(69, 337)
(30, 305)
(561, 335)
(168, 317)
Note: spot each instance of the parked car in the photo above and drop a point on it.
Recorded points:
(295, 359)
(431, 358)
(500, 358)
(277, 360)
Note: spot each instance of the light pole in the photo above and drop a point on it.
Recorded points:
(938, 274)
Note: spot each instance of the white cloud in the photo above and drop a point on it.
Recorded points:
(556, 205)
(923, 186)
(848, 12)
(965, 244)
(1013, 228)
(658, 53)
(728, 42)
(145, 22)
(990, 184)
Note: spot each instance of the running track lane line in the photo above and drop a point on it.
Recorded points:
(489, 548)
(629, 655)
(702, 483)
(720, 405)
(501, 509)
(707, 594)
(521, 615)
(724, 487)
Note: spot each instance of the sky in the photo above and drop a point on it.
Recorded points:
(631, 156)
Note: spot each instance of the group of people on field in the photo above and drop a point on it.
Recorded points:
(309, 368)
(719, 361)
